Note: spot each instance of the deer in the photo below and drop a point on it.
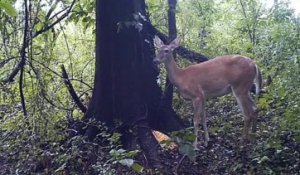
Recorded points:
(210, 79)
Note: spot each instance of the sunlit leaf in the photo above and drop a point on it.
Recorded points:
(8, 8)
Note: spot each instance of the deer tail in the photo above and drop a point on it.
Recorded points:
(258, 81)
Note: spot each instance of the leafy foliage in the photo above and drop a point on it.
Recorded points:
(9, 9)
(77, 155)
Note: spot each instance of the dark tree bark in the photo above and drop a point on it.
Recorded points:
(168, 94)
(125, 86)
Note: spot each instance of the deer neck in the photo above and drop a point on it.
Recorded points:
(173, 71)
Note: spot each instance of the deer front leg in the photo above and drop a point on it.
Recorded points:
(204, 125)
(196, 122)
(199, 116)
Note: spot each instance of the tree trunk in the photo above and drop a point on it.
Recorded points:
(168, 94)
(125, 87)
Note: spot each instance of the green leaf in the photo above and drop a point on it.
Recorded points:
(86, 19)
(126, 162)
(38, 26)
(297, 138)
(263, 103)
(116, 153)
(276, 144)
(132, 154)
(9, 9)
(189, 151)
(137, 168)
(189, 137)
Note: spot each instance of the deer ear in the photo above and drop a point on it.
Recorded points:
(158, 42)
(175, 43)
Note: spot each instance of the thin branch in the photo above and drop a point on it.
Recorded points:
(56, 73)
(51, 70)
(21, 92)
(60, 76)
(44, 95)
(179, 164)
(36, 16)
(71, 90)
(23, 59)
(2, 63)
(56, 22)
(248, 25)
(51, 9)
(84, 68)
(80, 81)
(58, 13)
(68, 49)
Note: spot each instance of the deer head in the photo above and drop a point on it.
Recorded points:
(165, 52)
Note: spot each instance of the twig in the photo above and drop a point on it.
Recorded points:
(80, 81)
(56, 22)
(51, 70)
(179, 164)
(2, 63)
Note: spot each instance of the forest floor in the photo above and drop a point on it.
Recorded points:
(225, 154)
(228, 154)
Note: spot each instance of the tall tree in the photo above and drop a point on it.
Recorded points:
(125, 86)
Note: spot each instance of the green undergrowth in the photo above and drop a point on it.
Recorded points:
(22, 152)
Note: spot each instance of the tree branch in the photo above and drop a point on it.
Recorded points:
(2, 63)
(22, 93)
(23, 59)
(71, 90)
(52, 8)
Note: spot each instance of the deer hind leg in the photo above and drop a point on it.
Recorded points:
(254, 118)
(199, 116)
(248, 109)
(196, 121)
(204, 125)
